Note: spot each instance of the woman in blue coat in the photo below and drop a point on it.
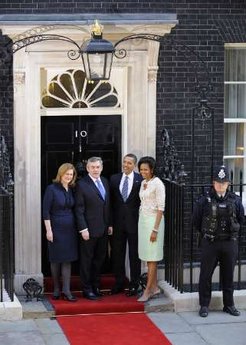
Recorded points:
(59, 223)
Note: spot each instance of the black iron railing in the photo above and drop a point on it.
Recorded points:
(6, 244)
(181, 252)
(173, 250)
(6, 223)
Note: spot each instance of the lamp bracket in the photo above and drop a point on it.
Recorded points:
(73, 54)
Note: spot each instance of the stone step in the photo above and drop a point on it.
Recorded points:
(36, 309)
(159, 304)
(43, 309)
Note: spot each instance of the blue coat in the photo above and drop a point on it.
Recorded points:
(58, 207)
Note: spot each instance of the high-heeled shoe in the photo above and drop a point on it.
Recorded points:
(156, 293)
(144, 298)
(69, 298)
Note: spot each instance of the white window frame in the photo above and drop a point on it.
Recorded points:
(236, 120)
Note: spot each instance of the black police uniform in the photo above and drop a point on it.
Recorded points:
(218, 219)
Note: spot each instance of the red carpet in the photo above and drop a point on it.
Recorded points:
(123, 329)
(107, 304)
(117, 319)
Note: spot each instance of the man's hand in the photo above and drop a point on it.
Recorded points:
(110, 230)
(85, 235)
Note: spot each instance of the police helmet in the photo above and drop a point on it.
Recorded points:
(221, 174)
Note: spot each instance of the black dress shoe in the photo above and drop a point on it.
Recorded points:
(56, 297)
(203, 312)
(116, 289)
(97, 292)
(90, 295)
(231, 310)
(69, 297)
(132, 292)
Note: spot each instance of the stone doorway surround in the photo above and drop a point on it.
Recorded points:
(134, 78)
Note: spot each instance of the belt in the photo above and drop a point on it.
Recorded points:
(219, 238)
(222, 238)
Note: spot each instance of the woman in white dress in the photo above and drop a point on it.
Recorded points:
(151, 224)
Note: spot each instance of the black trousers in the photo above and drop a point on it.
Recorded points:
(92, 256)
(225, 252)
(119, 241)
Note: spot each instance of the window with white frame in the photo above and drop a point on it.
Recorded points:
(235, 112)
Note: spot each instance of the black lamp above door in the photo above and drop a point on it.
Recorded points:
(97, 55)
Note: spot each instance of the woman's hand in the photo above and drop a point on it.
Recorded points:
(49, 235)
(153, 236)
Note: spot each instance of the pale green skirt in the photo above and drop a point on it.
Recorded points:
(150, 251)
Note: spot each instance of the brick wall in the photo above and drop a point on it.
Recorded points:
(6, 94)
(204, 26)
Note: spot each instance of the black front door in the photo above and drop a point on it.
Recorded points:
(74, 139)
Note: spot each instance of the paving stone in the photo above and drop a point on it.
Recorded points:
(56, 339)
(186, 339)
(22, 338)
(18, 326)
(170, 322)
(223, 334)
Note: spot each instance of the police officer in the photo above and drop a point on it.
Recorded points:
(218, 217)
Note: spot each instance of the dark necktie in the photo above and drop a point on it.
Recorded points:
(100, 188)
(124, 191)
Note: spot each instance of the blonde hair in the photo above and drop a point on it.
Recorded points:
(62, 170)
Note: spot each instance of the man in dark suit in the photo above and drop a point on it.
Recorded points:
(92, 210)
(124, 188)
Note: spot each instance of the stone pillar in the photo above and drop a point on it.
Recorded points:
(153, 53)
(27, 212)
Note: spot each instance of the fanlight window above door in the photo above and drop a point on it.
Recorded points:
(71, 89)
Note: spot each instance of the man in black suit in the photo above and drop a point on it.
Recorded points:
(92, 210)
(124, 188)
